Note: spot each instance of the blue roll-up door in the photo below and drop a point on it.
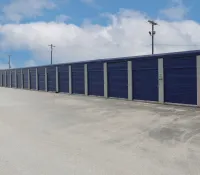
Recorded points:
(63, 78)
(145, 79)
(51, 78)
(8, 78)
(96, 79)
(1, 78)
(4, 79)
(19, 79)
(25, 78)
(78, 86)
(118, 79)
(180, 80)
(41, 78)
(13, 78)
(32, 78)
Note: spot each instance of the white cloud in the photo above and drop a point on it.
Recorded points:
(126, 35)
(17, 10)
(30, 63)
(177, 11)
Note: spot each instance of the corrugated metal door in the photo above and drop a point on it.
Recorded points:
(19, 80)
(180, 80)
(8, 72)
(41, 78)
(78, 86)
(96, 79)
(1, 78)
(51, 78)
(118, 79)
(4, 78)
(63, 78)
(32, 78)
(25, 78)
(13, 78)
(145, 79)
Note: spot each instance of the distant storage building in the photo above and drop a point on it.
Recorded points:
(163, 78)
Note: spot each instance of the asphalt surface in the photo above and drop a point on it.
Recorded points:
(47, 134)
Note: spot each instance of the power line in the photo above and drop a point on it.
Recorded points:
(52, 46)
(152, 33)
(9, 65)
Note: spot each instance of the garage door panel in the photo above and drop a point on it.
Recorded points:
(19, 82)
(32, 78)
(13, 79)
(180, 80)
(51, 78)
(63, 78)
(8, 74)
(1, 83)
(25, 78)
(4, 79)
(118, 79)
(145, 85)
(145, 79)
(145, 63)
(179, 62)
(78, 86)
(41, 78)
(96, 79)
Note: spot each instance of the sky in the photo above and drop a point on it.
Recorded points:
(93, 29)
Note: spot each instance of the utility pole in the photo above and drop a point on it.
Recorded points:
(52, 46)
(152, 33)
(9, 66)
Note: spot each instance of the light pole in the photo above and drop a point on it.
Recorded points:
(9, 66)
(52, 52)
(152, 33)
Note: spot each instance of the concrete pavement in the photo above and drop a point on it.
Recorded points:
(47, 134)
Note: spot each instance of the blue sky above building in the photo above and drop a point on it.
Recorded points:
(25, 24)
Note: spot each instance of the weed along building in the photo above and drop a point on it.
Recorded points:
(163, 78)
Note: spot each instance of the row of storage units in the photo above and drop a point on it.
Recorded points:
(165, 78)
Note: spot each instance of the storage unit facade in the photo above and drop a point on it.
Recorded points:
(163, 78)
(63, 78)
(33, 78)
(95, 76)
(13, 78)
(41, 78)
(51, 78)
(19, 78)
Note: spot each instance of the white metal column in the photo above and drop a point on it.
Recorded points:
(86, 79)
(57, 80)
(15, 78)
(70, 79)
(105, 80)
(22, 79)
(198, 80)
(36, 76)
(160, 81)
(130, 83)
(29, 83)
(46, 78)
